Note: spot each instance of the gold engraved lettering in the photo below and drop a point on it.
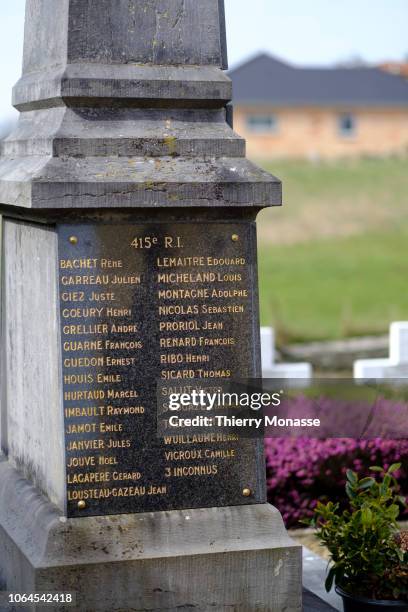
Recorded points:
(69, 281)
(213, 373)
(179, 325)
(226, 261)
(83, 362)
(178, 310)
(87, 445)
(176, 278)
(111, 263)
(75, 462)
(198, 453)
(226, 309)
(152, 490)
(124, 329)
(99, 329)
(78, 379)
(89, 345)
(184, 294)
(229, 278)
(82, 313)
(93, 394)
(184, 455)
(172, 358)
(203, 341)
(110, 427)
(171, 242)
(177, 374)
(125, 345)
(106, 493)
(90, 477)
(74, 296)
(186, 302)
(229, 293)
(126, 475)
(77, 264)
(107, 460)
(102, 297)
(81, 412)
(124, 410)
(112, 443)
(180, 262)
(122, 394)
(109, 378)
(194, 470)
(120, 361)
(118, 312)
(213, 325)
(197, 358)
(81, 429)
(126, 280)
(220, 454)
(188, 342)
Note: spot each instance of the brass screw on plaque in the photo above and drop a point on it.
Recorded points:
(73, 240)
(247, 492)
(81, 505)
(234, 237)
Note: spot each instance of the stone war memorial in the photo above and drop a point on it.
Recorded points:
(129, 257)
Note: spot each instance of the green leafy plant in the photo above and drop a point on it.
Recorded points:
(369, 555)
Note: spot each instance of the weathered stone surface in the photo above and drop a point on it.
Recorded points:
(126, 132)
(148, 86)
(31, 410)
(127, 49)
(203, 558)
(95, 182)
(3, 355)
(123, 117)
(127, 108)
(181, 32)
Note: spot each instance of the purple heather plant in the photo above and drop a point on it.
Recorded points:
(302, 472)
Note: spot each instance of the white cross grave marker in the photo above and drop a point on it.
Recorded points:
(271, 369)
(396, 365)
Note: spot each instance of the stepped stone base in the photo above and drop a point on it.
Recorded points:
(234, 558)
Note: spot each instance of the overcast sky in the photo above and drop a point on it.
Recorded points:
(303, 32)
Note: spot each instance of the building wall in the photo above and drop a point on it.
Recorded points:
(314, 132)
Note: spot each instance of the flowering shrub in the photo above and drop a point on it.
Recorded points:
(303, 471)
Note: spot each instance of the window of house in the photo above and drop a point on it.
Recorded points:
(262, 123)
(347, 125)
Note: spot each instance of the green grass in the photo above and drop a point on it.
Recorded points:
(333, 263)
(374, 178)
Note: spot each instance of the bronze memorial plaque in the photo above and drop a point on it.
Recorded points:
(142, 304)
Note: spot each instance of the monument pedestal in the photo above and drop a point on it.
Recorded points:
(237, 557)
(128, 259)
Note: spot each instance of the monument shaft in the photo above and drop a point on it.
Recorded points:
(129, 257)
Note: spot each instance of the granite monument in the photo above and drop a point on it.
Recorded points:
(129, 256)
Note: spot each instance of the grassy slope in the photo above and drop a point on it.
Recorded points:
(333, 261)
